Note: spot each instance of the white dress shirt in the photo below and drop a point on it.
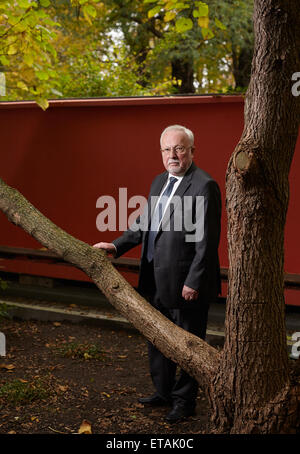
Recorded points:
(176, 184)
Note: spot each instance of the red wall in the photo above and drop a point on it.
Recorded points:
(65, 158)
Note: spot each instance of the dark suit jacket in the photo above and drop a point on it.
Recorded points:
(179, 262)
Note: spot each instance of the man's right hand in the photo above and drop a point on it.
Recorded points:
(108, 247)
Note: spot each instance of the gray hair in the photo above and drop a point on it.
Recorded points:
(187, 131)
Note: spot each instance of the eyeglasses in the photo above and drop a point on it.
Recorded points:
(179, 149)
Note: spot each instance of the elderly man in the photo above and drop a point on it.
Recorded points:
(179, 273)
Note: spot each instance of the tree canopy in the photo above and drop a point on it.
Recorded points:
(87, 48)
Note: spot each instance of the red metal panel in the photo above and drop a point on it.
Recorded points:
(65, 158)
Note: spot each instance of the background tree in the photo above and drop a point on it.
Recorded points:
(83, 48)
(207, 54)
(91, 58)
(226, 59)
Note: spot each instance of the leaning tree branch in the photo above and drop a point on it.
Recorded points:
(192, 353)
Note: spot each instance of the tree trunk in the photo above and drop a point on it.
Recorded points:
(254, 366)
(241, 61)
(183, 74)
(249, 383)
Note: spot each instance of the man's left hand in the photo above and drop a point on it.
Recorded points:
(189, 294)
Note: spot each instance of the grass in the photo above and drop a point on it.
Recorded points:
(22, 392)
(4, 311)
(77, 350)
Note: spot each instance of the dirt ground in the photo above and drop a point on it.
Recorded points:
(61, 377)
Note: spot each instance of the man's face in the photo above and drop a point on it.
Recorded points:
(177, 153)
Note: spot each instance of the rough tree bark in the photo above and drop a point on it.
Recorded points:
(250, 385)
(254, 364)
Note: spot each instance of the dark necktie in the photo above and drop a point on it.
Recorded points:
(157, 216)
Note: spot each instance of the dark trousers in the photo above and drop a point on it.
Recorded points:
(168, 384)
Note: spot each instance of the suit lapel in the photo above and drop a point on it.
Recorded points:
(155, 192)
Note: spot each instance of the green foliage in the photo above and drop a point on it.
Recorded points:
(27, 54)
(77, 350)
(104, 60)
(182, 15)
(3, 284)
(113, 73)
(19, 392)
(4, 311)
(218, 51)
(229, 54)
(88, 48)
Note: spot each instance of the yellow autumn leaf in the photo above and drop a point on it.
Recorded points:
(7, 366)
(43, 103)
(12, 50)
(203, 21)
(170, 15)
(21, 85)
(62, 388)
(105, 394)
(85, 427)
(28, 59)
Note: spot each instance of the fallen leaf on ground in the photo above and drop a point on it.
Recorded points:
(7, 366)
(105, 394)
(138, 406)
(85, 427)
(62, 388)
